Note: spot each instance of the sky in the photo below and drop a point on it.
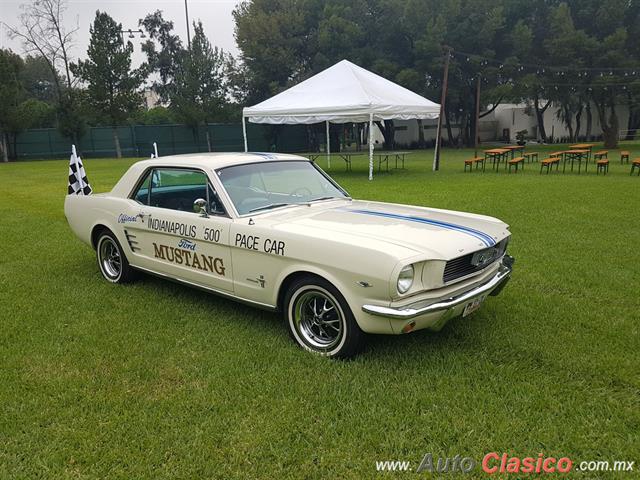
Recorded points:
(215, 15)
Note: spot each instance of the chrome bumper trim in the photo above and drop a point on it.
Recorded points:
(497, 282)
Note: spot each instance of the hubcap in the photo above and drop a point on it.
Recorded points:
(110, 258)
(318, 320)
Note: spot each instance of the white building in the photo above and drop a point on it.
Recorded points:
(503, 123)
(512, 118)
(151, 98)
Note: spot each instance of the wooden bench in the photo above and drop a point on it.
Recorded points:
(602, 166)
(624, 155)
(516, 162)
(601, 154)
(530, 156)
(634, 165)
(549, 162)
(470, 162)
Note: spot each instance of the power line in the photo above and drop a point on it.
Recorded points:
(557, 69)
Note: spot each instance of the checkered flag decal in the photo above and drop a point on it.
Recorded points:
(78, 182)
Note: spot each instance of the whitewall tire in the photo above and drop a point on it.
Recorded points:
(320, 320)
(112, 261)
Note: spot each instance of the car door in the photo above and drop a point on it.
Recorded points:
(260, 253)
(170, 238)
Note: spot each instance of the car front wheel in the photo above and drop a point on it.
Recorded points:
(111, 259)
(320, 320)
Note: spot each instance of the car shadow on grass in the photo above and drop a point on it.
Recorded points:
(455, 337)
(225, 309)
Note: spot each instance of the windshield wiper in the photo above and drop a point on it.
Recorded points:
(270, 206)
(285, 204)
(328, 198)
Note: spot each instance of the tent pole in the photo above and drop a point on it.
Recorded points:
(244, 133)
(328, 147)
(371, 146)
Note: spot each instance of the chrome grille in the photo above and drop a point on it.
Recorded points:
(473, 262)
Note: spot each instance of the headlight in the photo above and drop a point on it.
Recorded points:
(405, 279)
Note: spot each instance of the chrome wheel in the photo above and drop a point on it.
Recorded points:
(318, 319)
(110, 258)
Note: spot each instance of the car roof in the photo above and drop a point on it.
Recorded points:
(205, 161)
(218, 160)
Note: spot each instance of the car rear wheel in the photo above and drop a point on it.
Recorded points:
(320, 320)
(111, 259)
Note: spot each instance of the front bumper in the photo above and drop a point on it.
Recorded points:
(493, 286)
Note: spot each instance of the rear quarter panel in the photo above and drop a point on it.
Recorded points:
(84, 213)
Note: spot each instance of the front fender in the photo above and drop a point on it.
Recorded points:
(347, 283)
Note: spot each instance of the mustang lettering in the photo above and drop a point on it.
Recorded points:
(188, 258)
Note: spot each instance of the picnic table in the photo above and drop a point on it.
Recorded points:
(496, 155)
(576, 155)
(382, 157)
(514, 148)
(583, 146)
(573, 155)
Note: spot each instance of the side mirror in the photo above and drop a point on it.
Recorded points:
(200, 206)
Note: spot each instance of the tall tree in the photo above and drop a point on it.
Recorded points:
(475, 32)
(17, 111)
(10, 93)
(112, 86)
(38, 80)
(43, 34)
(199, 94)
(164, 51)
(274, 40)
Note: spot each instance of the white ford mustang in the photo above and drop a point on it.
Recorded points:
(275, 231)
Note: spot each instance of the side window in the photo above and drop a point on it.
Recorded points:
(142, 194)
(178, 189)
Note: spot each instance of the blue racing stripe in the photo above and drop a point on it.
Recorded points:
(485, 238)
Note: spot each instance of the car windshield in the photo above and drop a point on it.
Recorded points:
(262, 186)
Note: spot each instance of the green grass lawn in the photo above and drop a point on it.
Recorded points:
(156, 380)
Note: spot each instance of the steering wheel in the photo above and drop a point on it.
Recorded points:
(301, 192)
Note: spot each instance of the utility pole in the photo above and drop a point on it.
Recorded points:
(443, 99)
(477, 132)
(186, 14)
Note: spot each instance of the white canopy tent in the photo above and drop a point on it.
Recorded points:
(342, 93)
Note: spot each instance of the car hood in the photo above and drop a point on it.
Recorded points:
(442, 234)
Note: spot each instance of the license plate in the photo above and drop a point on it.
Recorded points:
(472, 306)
